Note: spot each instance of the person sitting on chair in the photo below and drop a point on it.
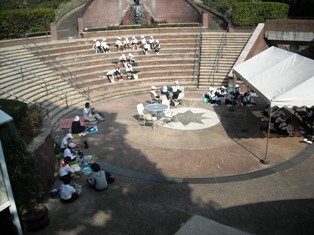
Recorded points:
(153, 91)
(164, 91)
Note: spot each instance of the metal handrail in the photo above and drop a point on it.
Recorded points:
(27, 101)
(23, 70)
(53, 62)
(219, 55)
(197, 61)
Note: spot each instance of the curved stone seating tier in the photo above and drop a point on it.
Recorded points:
(176, 61)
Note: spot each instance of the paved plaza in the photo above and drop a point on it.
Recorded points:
(199, 170)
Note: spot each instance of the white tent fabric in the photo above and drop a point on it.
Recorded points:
(283, 78)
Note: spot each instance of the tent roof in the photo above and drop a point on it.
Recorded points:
(281, 77)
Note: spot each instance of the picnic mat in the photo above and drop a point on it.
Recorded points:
(66, 123)
(257, 114)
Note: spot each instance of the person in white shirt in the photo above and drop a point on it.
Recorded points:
(134, 43)
(118, 44)
(97, 46)
(143, 41)
(126, 43)
(145, 48)
(67, 152)
(151, 42)
(90, 115)
(123, 59)
(129, 70)
(65, 168)
(130, 58)
(105, 46)
(66, 140)
(67, 192)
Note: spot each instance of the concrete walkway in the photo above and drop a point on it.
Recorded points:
(167, 176)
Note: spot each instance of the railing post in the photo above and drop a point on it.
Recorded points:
(46, 86)
(66, 100)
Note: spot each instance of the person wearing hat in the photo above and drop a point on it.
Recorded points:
(65, 141)
(237, 93)
(143, 42)
(97, 180)
(69, 152)
(104, 46)
(151, 42)
(119, 45)
(126, 43)
(154, 93)
(76, 127)
(129, 70)
(123, 60)
(97, 46)
(130, 58)
(156, 46)
(175, 94)
(134, 43)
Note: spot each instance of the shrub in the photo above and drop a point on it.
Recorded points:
(15, 23)
(251, 14)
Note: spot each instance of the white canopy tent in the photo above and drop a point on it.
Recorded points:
(282, 78)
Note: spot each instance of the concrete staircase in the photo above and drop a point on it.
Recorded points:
(29, 79)
(231, 49)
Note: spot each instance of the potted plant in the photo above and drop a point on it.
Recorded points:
(24, 177)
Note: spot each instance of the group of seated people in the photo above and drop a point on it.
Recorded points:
(72, 152)
(307, 121)
(116, 74)
(101, 46)
(280, 123)
(217, 95)
(134, 44)
(170, 93)
(97, 179)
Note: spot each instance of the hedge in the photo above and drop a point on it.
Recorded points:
(16, 23)
(253, 13)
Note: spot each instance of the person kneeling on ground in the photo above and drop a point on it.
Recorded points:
(67, 192)
(76, 127)
(98, 178)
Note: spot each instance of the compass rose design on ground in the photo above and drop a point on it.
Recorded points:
(192, 119)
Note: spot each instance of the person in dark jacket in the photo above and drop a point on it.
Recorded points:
(76, 127)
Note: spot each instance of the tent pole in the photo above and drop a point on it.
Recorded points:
(265, 160)
(244, 129)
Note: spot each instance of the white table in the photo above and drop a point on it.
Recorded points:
(158, 109)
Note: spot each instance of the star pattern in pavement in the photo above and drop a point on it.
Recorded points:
(188, 117)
